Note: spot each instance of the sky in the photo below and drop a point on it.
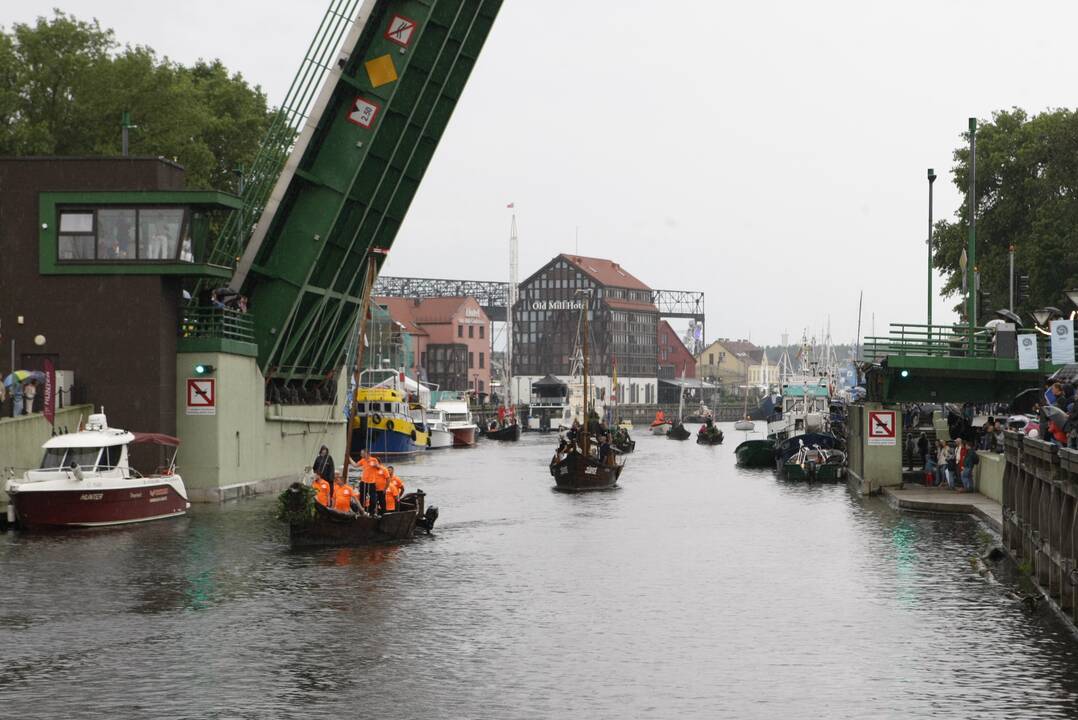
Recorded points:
(771, 154)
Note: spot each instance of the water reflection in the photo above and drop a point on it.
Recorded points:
(695, 590)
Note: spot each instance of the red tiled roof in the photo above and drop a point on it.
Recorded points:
(400, 309)
(664, 327)
(605, 272)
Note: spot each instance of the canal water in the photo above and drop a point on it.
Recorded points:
(695, 590)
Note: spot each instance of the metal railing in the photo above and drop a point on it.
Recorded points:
(200, 321)
(939, 341)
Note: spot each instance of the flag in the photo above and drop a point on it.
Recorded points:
(511, 205)
(50, 392)
(614, 382)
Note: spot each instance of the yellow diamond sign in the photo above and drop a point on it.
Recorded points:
(381, 70)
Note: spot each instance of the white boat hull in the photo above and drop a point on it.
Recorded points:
(440, 439)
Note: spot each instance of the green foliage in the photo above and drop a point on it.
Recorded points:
(65, 84)
(1027, 195)
(295, 504)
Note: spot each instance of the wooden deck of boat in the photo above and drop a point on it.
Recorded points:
(934, 499)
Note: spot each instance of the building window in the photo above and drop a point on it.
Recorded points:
(460, 331)
(471, 360)
(480, 361)
(481, 331)
(471, 331)
(423, 359)
(711, 358)
(123, 234)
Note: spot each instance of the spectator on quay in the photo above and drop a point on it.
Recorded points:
(940, 462)
(950, 464)
(997, 437)
(922, 450)
(967, 461)
(988, 438)
(16, 400)
(29, 392)
(1054, 391)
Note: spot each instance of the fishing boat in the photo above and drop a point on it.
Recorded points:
(755, 453)
(382, 418)
(458, 419)
(86, 480)
(709, 435)
(311, 524)
(579, 469)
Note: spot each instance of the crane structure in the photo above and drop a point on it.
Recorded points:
(339, 168)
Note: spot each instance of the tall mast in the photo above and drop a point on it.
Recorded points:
(368, 287)
(586, 414)
(512, 300)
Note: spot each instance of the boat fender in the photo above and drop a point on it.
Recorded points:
(389, 425)
(413, 434)
(376, 418)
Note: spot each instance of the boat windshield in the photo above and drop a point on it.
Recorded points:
(67, 457)
(456, 417)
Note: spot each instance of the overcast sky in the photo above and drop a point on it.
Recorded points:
(770, 154)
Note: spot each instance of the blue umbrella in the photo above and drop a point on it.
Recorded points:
(22, 376)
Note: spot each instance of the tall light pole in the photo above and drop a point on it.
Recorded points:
(931, 179)
(971, 245)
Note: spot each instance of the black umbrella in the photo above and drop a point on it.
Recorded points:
(1024, 401)
(1010, 317)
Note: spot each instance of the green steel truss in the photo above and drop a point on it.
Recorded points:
(350, 178)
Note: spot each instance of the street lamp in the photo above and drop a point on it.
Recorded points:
(475, 386)
(931, 179)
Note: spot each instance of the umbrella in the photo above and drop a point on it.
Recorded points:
(1056, 415)
(21, 376)
(1024, 401)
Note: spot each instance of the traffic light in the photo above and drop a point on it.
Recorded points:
(1021, 290)
(203, 369)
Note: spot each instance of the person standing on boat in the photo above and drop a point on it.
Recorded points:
(323, 467)
(321, 490)
(371, 469)
(394, 490)
(343, 495)
(381, 482)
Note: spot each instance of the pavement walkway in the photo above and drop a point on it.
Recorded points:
(933, 499)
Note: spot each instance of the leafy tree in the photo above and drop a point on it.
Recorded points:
(1027, 195)
(65, 84)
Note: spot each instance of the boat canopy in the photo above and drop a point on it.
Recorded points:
(155, 439)
(548, 382)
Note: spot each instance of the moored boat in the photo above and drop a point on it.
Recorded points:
(459, 422)
(383, 424)
(440, 437)
(86, 480)
(755, 453)
(814, 463)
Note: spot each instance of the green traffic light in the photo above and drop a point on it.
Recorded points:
(202, 369)
(904, 373)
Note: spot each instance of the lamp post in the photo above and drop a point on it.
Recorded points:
(971, 245)
(475, 386)
(931, 179)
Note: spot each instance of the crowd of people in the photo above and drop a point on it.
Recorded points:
(23, 396)
(379, 491)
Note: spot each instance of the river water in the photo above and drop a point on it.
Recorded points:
(694, 590)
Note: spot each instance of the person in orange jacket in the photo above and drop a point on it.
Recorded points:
(371, 470)
(394, 489)
(321, 490)
(381, 482)
(343, 494)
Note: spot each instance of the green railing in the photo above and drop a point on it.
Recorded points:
(940, 341)
(201, 322)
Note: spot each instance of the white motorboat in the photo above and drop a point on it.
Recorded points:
(438, 427)
(86, 480)
(459, 422)
(745, 424)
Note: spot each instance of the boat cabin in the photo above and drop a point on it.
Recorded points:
(96, 449)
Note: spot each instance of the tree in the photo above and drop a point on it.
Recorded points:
(65, 84)
(1027, 195)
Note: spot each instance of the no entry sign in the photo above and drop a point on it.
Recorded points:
(201, 396)
(881, 427)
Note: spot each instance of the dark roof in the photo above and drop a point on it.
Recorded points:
(548, 381)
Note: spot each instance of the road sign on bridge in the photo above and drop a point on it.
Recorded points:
(881, 427)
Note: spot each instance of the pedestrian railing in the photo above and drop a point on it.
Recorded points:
(1040, 515)
(200, 321)
(939, 341)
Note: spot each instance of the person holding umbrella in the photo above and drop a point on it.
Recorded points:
(15, 383)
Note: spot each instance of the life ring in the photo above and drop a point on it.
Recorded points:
(413, 434)
(376, 419)
(389, 425)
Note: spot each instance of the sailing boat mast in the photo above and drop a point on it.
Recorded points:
(511, 301)
(586, 370)
(364, 310)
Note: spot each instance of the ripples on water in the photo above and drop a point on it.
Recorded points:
(695, 590)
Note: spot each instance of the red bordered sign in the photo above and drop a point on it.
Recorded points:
(201, 396)
(363, 112)
(881, 427)
(400, 30)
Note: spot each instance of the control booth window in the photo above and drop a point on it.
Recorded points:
(116, 234)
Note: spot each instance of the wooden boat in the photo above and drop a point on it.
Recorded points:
(509, 432)
(622, 442)
(678, 432)
(709, 436)
(313, 525)
(815, 464)
(577, 472)
(755, 453)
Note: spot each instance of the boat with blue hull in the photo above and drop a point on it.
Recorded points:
(383, 423)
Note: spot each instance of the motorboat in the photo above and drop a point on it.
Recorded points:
(755, 453)
(86, 480)
(459, 422)
(382, 417)
(438, 430)
(661, 427)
